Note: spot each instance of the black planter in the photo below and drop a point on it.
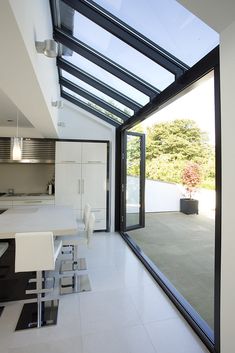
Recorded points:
(189, 206)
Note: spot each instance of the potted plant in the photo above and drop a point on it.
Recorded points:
(191, 178)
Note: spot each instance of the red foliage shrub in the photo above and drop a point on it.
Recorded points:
(191, 177)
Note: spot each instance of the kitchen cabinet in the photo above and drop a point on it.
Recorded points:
(68, 185)
(32, 202)
(68, 152)
(15, 201)
(84, 180)
(94, 153)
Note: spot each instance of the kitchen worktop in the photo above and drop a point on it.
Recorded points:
(59, 220)
(25, 196)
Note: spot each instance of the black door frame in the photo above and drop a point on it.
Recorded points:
(141, 224)
(208, 63)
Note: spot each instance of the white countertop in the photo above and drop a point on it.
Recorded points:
(59, 220)
(27, 197)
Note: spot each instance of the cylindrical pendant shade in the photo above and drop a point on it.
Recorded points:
(17, 148)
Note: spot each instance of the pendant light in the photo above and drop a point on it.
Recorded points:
(17, 142)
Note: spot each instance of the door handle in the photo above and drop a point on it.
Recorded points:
(83, 186)
(79, 186)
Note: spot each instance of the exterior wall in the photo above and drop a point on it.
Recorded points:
(227, 58)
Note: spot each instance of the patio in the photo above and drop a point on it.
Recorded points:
(182, 247)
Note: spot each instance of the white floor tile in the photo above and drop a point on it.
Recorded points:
(125, 312)
(103, 310)
(71, 345)
(131, 340)
(174, 336)
(151, 303)
(106, 279)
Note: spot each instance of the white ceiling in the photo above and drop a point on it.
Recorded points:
(8, 111)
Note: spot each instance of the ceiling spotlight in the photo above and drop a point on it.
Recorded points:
(49, 48)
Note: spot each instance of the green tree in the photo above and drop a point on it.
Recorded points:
(169, 147)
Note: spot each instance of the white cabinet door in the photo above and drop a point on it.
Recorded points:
(68, 185)
(68, 152)
(94, 152)
(94, 185)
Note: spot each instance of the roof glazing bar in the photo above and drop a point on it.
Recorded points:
(94, 82)
(129, 35)
(91, 97)
(89, 109)
(107, 64)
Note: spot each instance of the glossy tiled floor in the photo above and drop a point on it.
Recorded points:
(126, 312)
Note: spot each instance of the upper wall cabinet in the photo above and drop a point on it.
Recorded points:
(81, 152)
(94, 152)
(68, 152)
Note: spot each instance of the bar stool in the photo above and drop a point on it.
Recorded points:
(70, 245)
(71, 281)
(37, 251)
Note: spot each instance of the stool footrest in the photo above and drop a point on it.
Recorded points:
(74, 284)
(28, 316)
(71, 266)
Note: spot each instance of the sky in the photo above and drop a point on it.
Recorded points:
(197, 105)
(167, 23)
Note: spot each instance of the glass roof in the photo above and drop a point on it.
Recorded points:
(96, 92)
(168, 24)
(93, 105)
(107, 78)
(120, 54)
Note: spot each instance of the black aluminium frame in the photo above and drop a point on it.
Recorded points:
(141, 186)
(92, 98)
(209, 63)
(94, 82)
(125, 33)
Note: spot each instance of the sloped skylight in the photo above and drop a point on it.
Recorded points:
(117, 55)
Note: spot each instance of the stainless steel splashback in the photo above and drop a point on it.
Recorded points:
(33, 151)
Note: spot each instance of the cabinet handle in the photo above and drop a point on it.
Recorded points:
(33, 201)
(68, 162)
(79, 186)
(95, 162)
(82, 186)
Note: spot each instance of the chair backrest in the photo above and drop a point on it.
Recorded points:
(87, 212)
(34, 251)
(90, 227)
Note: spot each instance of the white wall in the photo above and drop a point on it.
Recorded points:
(227, 60)
(81, 125)
(159, 196)
(7, 131)
(29, 79)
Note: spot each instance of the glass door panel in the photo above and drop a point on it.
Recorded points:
(134, 180)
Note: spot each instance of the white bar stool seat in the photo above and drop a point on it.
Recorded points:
(37, 251)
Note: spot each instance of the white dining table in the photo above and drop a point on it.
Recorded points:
(56, 219)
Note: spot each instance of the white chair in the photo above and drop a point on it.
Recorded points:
(82, 224)
(90, 227)
(70, 245)
(37, 251)
(73, 282)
